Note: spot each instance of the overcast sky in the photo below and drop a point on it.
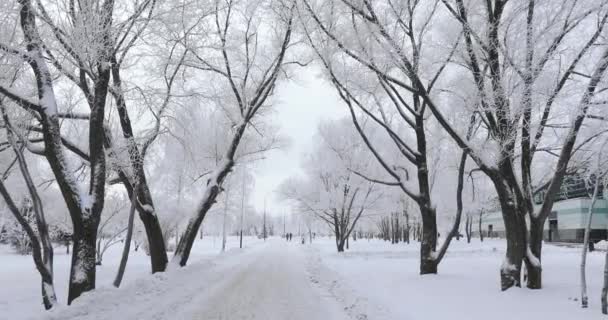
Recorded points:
(303, 104)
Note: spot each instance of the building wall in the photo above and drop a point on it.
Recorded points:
(571, 217)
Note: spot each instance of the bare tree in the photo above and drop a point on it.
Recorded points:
(383, 92)
(340, 204)
(38, 236)
(331, 191)
(125, 36)
(484, 50)
(598, 179)
(84, 204)
(250, 82)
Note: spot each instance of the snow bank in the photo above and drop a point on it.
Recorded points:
(602, 245)
(20, 282)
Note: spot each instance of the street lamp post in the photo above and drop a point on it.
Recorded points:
(264, 226)
(242, 210)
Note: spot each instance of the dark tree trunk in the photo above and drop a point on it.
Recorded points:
(428, 242)
(127, 246)
(82, 270)
(340, 245)
(428, 245)
(604, 295)
(154, 233)
(536, 241)
(156, 243)
(213, 189)
(182, 251)
(516, 236)
(481, 226)
(469, 228)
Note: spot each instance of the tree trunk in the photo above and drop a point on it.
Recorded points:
(156, 242)
(182, 251)
(406, 234)
(154, 233)
(605, 287)
(469, 228)
(515, 231)
(533, 265)
(42, 247)
(340, 245)
(82, 270)
(43, 259)
(127, 246)
(428, 245)
(584, 298)
(480, 226)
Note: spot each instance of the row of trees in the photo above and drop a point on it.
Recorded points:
(518, 87)
(522, 82)
(164, 99)
(89, 104)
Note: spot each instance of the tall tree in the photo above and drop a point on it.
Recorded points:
(248, 66)
(331, 191)
(84, 204)
(42, 248)
(348, 44)
(502, 87)
(507, 119)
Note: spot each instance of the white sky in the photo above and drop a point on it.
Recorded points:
(302, 104)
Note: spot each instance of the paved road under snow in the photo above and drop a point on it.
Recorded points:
(272, 284)
(268, 282)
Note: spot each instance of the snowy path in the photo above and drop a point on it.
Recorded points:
(268, 282)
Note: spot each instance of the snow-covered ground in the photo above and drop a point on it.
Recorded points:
(278, 280)
(20, 282)
(378, 280)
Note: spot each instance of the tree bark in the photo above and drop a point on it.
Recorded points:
(515, 230)
(605, 287)
(534, 270)
(561, 167)
(428, 245)
(154, 233)
(480, 223)
(82, 269)
(42, 248)
(340, 244)
(127, 247)
(182, 251)
(584, 298)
